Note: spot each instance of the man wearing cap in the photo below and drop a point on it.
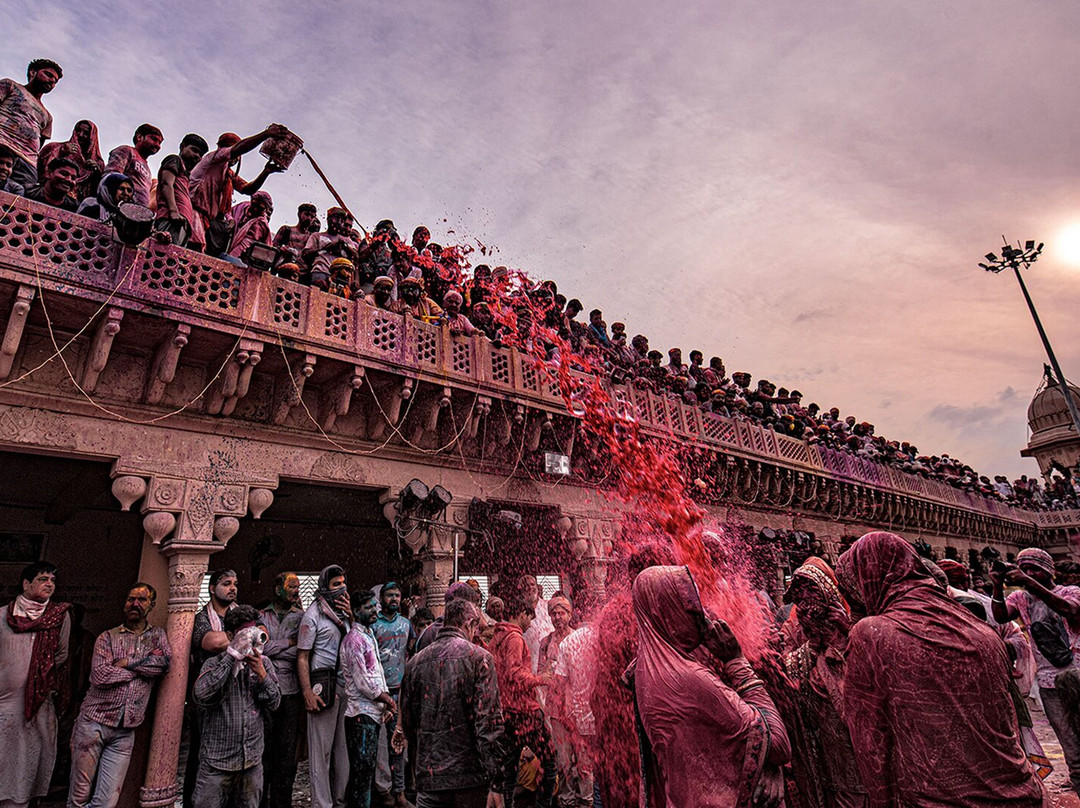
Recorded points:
(213, 179)
(1050, 614)
(336, 242)
(415, 302)
(457, 322)
(379, 256)
(382, 293)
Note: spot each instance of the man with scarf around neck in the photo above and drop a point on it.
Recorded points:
(1042, 601)
(282, 622)
(235, 690)
(33, 648)
(396, 638)
(322, 628)
(207, 639)
(128, 659)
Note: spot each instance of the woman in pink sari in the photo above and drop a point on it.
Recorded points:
(926, 690)
(713, 737)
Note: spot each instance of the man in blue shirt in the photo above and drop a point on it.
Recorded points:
(396, 638)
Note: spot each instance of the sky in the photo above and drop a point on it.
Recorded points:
(804, 190)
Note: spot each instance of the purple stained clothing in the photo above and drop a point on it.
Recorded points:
(211, 184)
(364, 680)
(126, 160)
(24, 121)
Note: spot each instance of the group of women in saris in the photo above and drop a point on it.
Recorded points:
(894, 695)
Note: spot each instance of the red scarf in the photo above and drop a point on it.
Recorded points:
(43, 669)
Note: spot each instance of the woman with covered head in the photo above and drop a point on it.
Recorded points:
(926, 695)
(822, 755)
(113, 190)
(712, 735)
(81, 148)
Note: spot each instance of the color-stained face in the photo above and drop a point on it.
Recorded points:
(191, 154)
(125, 192)
(367, 612)
(41, 588)
(289, 591)
(391, 600)
(148, 144)
(44, 79)
(338, 224)
(560, 617)
(82, 134)
(306, 218)
(7, 163)
(531, 590)
(225, 589)
(138, 604)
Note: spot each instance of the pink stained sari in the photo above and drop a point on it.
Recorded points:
(926, 693)
(708, 745)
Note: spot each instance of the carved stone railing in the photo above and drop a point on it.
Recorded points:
(71, 255)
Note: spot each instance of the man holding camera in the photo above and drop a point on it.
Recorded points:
(1051, 616)
(235, 690)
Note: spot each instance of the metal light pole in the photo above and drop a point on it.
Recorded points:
(1014, 258)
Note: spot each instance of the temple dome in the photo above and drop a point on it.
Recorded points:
(1048, 408)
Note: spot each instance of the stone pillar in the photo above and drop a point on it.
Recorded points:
(186, 569)
(438, 553)
(592, 540)
(188, 521)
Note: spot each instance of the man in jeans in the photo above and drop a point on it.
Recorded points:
(1044, 603)
(127, 661)
(450, 712)
(369, 705)
(395, 637)
(322, 628)
(235, 689)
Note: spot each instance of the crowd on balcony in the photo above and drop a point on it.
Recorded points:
(192, 199)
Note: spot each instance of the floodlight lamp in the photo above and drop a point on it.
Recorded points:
(1029, 245)
(412, 497)
(435, 503)
(991, 257)
(508, 520)
(260, 256)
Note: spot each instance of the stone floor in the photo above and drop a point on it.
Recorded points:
(1057, 784)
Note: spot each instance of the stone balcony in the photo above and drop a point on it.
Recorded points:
(136, 317)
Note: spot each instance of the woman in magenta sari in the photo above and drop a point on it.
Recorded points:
(926, 690)
(713, 738)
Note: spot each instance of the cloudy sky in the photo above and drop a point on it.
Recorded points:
(802, 189)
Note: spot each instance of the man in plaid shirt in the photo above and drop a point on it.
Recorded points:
(128, 660)
(235, 689)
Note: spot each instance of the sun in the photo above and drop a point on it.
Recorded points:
(1066, 246)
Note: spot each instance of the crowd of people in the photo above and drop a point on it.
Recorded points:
(192, 198)
(886, 681)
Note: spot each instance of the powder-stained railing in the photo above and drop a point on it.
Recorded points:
(70, 254)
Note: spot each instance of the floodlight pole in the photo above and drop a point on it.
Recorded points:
(1015, 258)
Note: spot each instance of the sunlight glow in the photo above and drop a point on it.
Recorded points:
(1066, 246)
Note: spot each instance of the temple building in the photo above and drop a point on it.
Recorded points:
(163, 413)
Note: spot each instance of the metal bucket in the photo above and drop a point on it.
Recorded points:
(282, 150)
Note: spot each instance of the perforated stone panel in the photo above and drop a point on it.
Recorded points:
(529, 376)
(384, 332)
(336, 322)
(792, 449)
(500, 366)
(288, 301)
(460, 357)
(59, 242)
(719, 429)
(204, 282)
(427, 346)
